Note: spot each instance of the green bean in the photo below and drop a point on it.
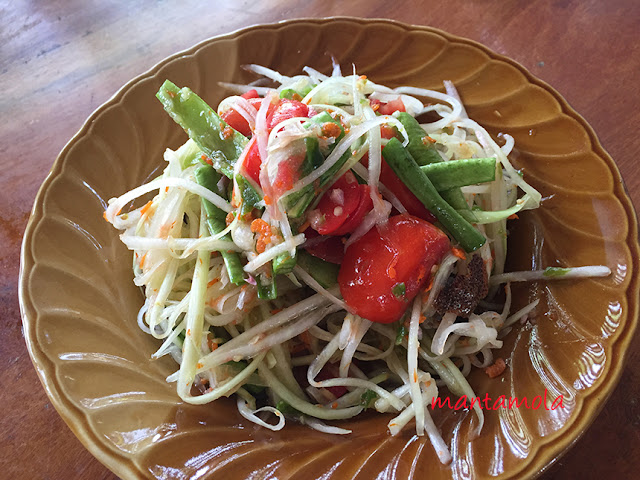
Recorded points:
(216, 222)
(267, 288)
(409, 172)
(222, 144)
(325, 273)
(423, 153)
(284, 263)
(250, 197)
(459, 173)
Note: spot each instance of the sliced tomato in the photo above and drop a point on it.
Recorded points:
(338, 205)
(252, 160)
(387, 108)
(288, 174)
(250, 94)
(236, 121)
(286, 109)
(383, 271)
(326, 247)
(357, 216)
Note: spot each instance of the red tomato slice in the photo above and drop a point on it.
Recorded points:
(285, 110)
(390, 180)
(337, 204)
(328, 248)
(252, 161)
(250, 94)
(388, 108)
(357, 216)
(377, 266)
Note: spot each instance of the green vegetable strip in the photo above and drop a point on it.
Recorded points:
(298, 202)
(216, 222)
(423, 153)
(459, 173)
(215, 138)
(325, 273)
(250, 197)
(284, 263)
(409, 172)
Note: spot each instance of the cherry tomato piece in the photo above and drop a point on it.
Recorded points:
(252, 161)
(357, 216)
(383, 271)
(326, 247)
(337, 204)
(250, 94)
(286, 109)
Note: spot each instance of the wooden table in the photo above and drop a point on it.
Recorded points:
(60, 60)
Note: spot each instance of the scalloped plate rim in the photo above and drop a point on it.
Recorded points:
(540, 459)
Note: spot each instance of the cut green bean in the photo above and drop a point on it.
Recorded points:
(325, 273)
(267, 288)
(409, 172)
(422, 152)
(221, 143)
(284, 263)
(216, 222)
(460, 173)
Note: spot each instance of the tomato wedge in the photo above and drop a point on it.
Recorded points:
(286, 109)
(342, 207)
(388, 108)
(252, 160)
(383, 271)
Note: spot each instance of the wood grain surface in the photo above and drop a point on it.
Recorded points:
(59, 60)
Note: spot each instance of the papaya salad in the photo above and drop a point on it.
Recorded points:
(318, 251)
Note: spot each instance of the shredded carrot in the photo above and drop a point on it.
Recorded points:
(267, 200)
(104, 215)
(458, 252)
(227, 133)
(213, 282)
(229, 218)
(199, 365)
(144, 209)
(142, 259)
(427, 383)
(422, 318)
(334, 405)
(276, 310)
(362, 77)
(188, 332)
(415, 376)
(513, 216)
(428, 289)
(496, 369)
(427, 139)
(166, 189)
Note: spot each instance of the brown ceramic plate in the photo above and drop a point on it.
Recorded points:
(79, 305)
